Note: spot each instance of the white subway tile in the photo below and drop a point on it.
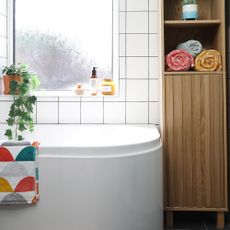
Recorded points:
(2, 25)
(1, 86)
(92, 112)
(154, 67)
(137, 5)
(137, 112)
(122, 45)
(122, 67)
(3, 7)
(69, 112)
(154, 113)
(96, 98)
(2, 47)
(47, 99)
(137, 22)
(69, 99)
(137, 90)
(122, 4)
(122, 22)
(153, 45)
(114, 112)
(153, 90)
(4, 108)
(154, 22)
(47, 112)
(137, 45)
(153, 5)
(137, 67)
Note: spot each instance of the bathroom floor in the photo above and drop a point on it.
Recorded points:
(197, 221)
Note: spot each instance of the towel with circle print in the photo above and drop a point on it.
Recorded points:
(18, 174)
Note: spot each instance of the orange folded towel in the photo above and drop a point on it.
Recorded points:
(208, 61)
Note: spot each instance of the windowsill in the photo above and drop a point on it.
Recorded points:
(65, 94)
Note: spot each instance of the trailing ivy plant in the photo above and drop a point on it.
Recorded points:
(189, 2)
(20, 114)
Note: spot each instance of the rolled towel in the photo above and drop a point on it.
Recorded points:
(179, 60)
(194, 47)
(208, 61)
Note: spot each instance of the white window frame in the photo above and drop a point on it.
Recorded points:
(70, 93)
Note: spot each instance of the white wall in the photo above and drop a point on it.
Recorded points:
(139, 75)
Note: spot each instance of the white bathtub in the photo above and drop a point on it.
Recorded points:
(94, 177)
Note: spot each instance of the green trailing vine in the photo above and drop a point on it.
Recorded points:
(189, 2)
(20, 114)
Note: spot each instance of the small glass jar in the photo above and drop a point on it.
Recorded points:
(108, 87)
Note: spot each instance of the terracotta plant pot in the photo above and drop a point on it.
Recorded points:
(7, 79)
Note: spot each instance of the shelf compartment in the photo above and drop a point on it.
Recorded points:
(209, 37)
(206, 9)
(191, 24)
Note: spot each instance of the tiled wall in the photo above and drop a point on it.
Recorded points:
(3, 35)
(138, 101)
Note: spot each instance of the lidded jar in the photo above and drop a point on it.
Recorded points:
(108, 87)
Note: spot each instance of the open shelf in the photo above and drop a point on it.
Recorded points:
(192, 73)
(209, 37)
(191, 23)
(208, 9)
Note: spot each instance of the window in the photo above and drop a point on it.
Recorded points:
(62, 40)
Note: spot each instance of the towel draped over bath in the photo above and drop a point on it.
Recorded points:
(18, 174)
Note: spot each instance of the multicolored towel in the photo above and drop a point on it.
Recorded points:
(18, 174)
(194, 47)
(208, 60)
(179, 60)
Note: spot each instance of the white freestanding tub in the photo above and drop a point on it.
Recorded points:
(94, 177)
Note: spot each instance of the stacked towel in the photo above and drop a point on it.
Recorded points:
(179, 60)
(194, 47)
(18, 174)
(208, 60)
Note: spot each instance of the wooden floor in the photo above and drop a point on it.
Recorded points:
(197, 221)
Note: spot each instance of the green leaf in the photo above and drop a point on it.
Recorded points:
(22, 127)
(20, 138)
(10, 121)
(9, 134)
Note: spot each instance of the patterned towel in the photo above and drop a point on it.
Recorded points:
(208, 60)
(179, 60)
(18, 174)
(194, 47)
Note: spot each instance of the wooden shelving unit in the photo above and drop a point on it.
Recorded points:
(194, 108)
(191, 24)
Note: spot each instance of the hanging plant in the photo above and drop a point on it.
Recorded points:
(21, 84)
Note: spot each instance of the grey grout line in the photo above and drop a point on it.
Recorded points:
(125, 61)
(80, 110)
(103, 108)
(36, 112)
(58, 111)
(140, 56)
(148, 61)
(137, 33)
(138, 11)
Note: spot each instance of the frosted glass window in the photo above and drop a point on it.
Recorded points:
(62, 40)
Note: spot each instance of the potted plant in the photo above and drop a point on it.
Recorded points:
(189, 9)
(20, 114)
